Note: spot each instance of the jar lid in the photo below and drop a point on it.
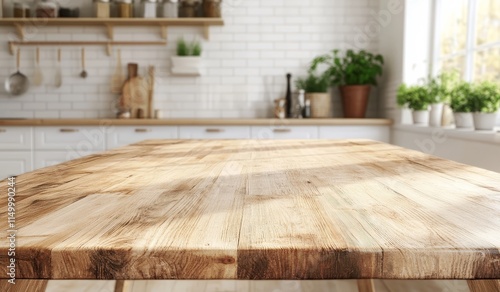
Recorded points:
(102, 1)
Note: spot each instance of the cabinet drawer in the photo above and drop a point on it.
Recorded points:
(282, 133)
(214, 132)
(15, 163)
(70, 138)
(16, 138)
(121, 136)
(377, 133)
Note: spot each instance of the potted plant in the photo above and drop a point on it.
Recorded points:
(316, 88)
(462, 105)
(416, 98)
(354, 73)
(486, 102)
(440, 89)
(188, 59)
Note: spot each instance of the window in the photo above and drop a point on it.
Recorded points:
(467, 38)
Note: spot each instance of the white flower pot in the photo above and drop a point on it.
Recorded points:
(436, 114)
(186, 65)
(485, 121)
(463, 120)
(421, 118)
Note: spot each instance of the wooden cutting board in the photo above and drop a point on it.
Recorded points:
(136, 95)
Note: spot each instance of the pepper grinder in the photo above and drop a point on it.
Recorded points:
(289, 96)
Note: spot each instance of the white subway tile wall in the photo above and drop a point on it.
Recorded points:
(245, 61)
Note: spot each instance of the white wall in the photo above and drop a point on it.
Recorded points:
(406, 42)
(246, 61)
(391, 45)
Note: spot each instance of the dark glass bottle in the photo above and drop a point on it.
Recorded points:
(289, 96)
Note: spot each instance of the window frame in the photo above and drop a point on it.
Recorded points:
(471, 48)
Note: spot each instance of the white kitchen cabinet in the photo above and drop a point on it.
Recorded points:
(377, 133)
(214, 132)
(121, 136)
(70, 138)
(285, 132)
(15, 163)
(16, 138)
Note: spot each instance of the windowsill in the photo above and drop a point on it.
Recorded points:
(452, 132)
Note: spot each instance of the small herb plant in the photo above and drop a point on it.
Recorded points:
(314, 83)
(485, 97)
(440, 87)
(196, 48)
(415, 97)
(354, 68)
(185, 49)
(460, 98)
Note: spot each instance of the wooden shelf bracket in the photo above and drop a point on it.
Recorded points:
(163, 32)
(206, 32)
(20, 31)
(110, 32)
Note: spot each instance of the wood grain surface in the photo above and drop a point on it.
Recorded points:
(266, 209)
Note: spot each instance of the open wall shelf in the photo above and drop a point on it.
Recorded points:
(162, 23)
(28, 24)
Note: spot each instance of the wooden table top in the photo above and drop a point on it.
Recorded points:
(256, 210)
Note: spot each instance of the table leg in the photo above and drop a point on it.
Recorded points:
(484, 285)
(122, 286)
(23, 286)
(366, 285)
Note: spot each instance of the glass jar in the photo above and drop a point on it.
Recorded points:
(102, 8)
(189, 8)
(124, 9)
(46, 9)
(149, 8)
(21, 10)
(170, 9)
(212, 8)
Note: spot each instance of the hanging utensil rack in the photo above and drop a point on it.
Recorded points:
(109, 44)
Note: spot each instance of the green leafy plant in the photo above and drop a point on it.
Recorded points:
(485, 97)
(440, 87)
(460, 98)
(182, 48)
(354, 68)
(314, 83)
(196, 48)
(416, 97)
(185, 49)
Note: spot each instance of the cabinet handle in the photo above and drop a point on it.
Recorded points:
(3, 130)
(68, 130)
(282, 130)
(142, 130)
(214, 130)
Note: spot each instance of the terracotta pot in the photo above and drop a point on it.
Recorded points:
(355, 100)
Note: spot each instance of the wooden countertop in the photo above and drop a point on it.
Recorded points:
(194, 122)
(256, 209)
